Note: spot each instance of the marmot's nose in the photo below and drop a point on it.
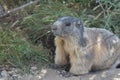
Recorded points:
(54, 28)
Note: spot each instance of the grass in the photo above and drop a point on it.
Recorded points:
(16, 51)
(38, 23)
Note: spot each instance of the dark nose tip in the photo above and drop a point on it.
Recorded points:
(54, 28)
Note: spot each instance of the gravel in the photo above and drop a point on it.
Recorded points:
(17, 74)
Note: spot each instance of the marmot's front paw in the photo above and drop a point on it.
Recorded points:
(65, 73)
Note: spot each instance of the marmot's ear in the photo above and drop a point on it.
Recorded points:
(79, 25)
(82, 39)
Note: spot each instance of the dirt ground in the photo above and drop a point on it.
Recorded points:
(52, 74)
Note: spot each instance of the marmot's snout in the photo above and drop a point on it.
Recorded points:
(56, 28)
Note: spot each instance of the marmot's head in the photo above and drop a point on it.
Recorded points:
(67, 27)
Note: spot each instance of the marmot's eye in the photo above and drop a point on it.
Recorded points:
(68, 24)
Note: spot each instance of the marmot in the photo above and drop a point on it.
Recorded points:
(84, 48)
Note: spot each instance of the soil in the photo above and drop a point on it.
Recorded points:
(101, 75)
(52, 74)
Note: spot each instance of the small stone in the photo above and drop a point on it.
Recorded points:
(19, 77)
(11, 72)
(33, 68)
(4, 74)
(15, 75)
(58, 72)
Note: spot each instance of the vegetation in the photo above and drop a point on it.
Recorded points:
(16, 51)
(37, 46)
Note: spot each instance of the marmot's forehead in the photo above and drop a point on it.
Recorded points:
(68, 19)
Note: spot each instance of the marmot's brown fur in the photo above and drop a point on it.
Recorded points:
(84, 48)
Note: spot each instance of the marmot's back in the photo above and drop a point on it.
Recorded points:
(103, 43)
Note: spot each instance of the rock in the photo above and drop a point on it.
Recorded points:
(34, 68)
(11, 73)
(4, 74)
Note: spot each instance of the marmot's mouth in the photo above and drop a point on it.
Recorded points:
(56, 34)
